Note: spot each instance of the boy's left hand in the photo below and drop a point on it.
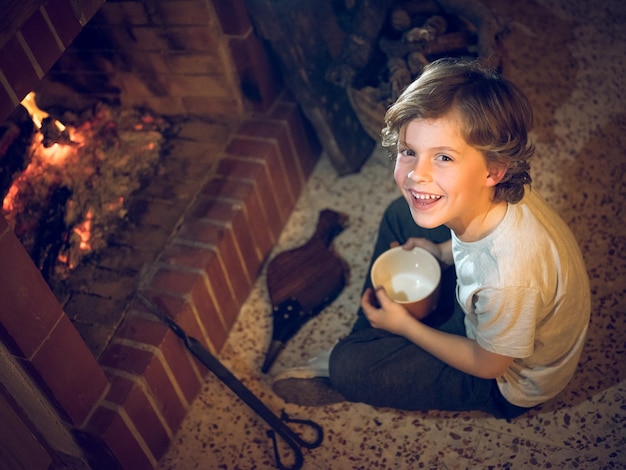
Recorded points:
(384, 313)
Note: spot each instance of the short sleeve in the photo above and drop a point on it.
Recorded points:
(504, 320)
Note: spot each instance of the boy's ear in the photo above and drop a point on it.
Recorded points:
(496, 173)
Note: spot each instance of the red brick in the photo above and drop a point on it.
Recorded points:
(41, 41)
(180, 362)
(192, 286)
(178, 309)
(254, 172)
(147, 365)
(194, 257)
(217, 337)
(189, 285)
(207, 261)
(124, 13)
(277, 131)
(252, 254)
(183, 12)
(227, 111)
(88, 8)
(196, 38)
(131, 360)
(243, 191)
(17, 69)
(114, 431)
(143, 330)
(229, 298)
(63, 18)
(6, 104)
(215, 87)
(29, 310)
(69, 371)
(266, 152)
(231, 215)
(133, 399)
(303, 139)
(222, 240)
(187, 62)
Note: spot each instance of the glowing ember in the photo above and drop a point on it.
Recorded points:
(83, 230)
(8, 204)
(78, 180)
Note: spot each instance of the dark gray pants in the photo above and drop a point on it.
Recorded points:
(385, 370)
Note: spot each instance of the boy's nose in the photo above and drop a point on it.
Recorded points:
(420, 172)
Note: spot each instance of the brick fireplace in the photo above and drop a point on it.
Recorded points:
(125, 389)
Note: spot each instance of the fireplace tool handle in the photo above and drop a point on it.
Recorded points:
(214, 365)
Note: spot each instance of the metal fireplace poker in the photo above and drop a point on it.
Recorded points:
(278, 425)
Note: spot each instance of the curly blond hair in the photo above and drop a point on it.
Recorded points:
(495, 116)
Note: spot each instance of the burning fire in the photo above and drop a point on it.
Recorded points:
(54, 155)
(48, 161)
(77, 181)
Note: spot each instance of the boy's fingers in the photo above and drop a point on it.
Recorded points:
(368, 299)
(381, 297)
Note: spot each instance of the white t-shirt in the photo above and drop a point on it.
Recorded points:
(525, 292)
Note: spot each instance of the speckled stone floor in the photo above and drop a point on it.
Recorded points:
(570, 58)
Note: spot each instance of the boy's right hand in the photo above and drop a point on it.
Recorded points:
(384, 313)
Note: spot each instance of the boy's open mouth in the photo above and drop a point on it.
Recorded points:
(424, 200)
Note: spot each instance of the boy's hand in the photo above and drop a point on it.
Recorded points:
(384, 313)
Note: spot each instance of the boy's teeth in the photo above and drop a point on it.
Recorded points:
(425, 196)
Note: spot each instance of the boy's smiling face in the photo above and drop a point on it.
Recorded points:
(445, 180)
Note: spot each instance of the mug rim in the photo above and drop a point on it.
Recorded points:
(429, 255)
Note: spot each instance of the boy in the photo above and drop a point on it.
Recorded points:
(514, 335)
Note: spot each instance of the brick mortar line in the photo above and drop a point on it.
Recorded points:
(140, 381)
(9, 89)
(53, 30)
(188, 354)
(256, 193)
(220, 260)
(281, 163)
(268, 174)
(239, 205)
(205, 278)
(29, 54)
(294, 151)
(228, 225)
(159, 355)
(186, 298)
(121, 412)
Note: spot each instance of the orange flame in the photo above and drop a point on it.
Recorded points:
(37, 114)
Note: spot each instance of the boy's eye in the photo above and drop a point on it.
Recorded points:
(406, 152)
(444, 158)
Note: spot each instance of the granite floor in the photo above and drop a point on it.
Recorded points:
(569, 56)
